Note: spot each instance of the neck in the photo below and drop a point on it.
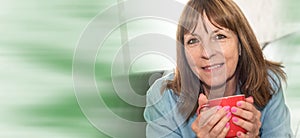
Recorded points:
(226, 89)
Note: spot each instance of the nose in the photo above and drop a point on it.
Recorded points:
(208, 51)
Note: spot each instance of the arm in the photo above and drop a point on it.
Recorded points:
(276, 118)
(159, 113)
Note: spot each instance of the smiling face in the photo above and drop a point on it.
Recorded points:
(212, 53)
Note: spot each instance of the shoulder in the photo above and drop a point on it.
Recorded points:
(275, 81)
(277, 99)
(161, 114)
(157, 91)
(159, 101)
(276, 116)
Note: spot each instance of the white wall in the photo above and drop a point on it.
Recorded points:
(264, 17)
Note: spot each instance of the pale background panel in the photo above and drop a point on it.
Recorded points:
(37, 43)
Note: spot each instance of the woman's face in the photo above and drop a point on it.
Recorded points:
(212, 53)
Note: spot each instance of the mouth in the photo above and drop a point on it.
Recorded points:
(212, 67)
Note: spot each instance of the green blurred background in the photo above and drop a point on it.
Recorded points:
(38, 39)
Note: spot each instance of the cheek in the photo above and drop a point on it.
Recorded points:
(230, 52)
(193, 59)
(231, 62)
(192, 56)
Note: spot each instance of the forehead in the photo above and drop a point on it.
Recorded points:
(205, 26)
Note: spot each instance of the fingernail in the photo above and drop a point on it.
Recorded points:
(228, 115)
(227, 108)
(234, 119)
(233, 109)
(239, 103)
(239, 134)
(227, 125)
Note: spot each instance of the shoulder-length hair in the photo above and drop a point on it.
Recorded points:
(252, 70)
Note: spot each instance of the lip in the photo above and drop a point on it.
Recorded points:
(212, 67)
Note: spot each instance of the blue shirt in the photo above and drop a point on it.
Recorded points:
(164, 120)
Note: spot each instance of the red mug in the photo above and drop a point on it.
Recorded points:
(228, 101)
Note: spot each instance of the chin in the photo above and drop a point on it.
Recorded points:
(215, 84)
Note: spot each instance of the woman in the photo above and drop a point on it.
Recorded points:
(217, 55)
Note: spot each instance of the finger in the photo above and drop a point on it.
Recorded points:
(198, 121)
(216, 118)
(207, 114)
(247, 115)
(224, 131)
(202, 119)
(249, 107)
(195, 126)
(219, 127)
(250, 99)
(245, 105)
(244, 124)
(240, 134)
(202, 100)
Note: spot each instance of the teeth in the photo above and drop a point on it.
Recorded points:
(213, 67)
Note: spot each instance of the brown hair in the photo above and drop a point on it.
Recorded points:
(253, 69)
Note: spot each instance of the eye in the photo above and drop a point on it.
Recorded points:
(220, 37)
(192, 41)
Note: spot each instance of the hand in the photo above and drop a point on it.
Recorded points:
(249, 118)
(213, 122)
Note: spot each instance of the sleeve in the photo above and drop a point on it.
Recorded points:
(276, 117)
(159, 113)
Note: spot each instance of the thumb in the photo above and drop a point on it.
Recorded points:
(250, 99)
(202, 101)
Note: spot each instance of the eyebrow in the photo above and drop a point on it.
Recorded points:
(218, 30)
(214, 31)
(194, 34)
